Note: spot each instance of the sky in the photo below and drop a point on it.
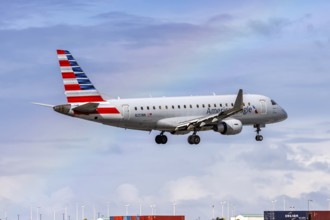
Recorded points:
(143, 48)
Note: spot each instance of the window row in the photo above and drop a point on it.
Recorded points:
(187, 106)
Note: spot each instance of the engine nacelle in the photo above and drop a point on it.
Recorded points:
(229, 127)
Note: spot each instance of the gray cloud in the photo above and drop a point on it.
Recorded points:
(270, 158)
(271, 28)
(220, 19)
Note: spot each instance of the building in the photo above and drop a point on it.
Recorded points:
(248, 217)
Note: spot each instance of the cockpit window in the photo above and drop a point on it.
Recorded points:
(273, 102)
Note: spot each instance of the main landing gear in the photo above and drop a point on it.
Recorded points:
(194, 139)
(259, 137)
(161, 138)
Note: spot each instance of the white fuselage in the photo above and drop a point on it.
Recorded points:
(166, 113)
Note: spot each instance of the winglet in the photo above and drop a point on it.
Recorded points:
(239, 100)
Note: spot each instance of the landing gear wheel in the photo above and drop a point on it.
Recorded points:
(258, 129)
(194, 139)
(259, 137)
(161, 139)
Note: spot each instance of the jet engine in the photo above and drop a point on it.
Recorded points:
(229, 127)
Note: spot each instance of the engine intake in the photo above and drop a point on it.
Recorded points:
(229, 127)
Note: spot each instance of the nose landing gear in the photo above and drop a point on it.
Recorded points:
(259, 137)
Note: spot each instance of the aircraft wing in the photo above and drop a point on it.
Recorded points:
(214, 118)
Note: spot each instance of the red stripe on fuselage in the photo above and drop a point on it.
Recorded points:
(72, 87)
(109, 110)
(68, 75)
(85, 99)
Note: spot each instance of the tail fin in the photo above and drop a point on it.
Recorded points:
(78, 88)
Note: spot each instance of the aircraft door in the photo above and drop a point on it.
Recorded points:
(125, 112)
(263, 107)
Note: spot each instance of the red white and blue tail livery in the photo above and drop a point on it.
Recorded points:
(78, 88)
(224, 114)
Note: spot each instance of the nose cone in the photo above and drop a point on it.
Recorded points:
(283, 114)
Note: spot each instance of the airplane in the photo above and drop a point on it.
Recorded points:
(224, 114)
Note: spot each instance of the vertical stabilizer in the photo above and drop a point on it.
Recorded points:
(78, 88)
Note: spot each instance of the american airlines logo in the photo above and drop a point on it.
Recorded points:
(246, 110)
(250, 109)
(215, 110)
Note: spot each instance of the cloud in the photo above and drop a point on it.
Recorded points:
(269, 158)
(11, 186)
(128, 193)
(220, 19)
(186, 188)
(271, 28)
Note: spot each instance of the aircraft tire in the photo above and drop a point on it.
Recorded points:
(158, 139)
(194, 139)
(161, 139)
(190, 139)
(259, 138)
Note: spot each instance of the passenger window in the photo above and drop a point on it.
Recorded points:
(172, 106)
(184, 106)
(147, 107)
(197, 106)
(178, 106)
(141, 108)
(203, 106)
(226, 104)
(135, 108)
(243, 104)
(221, 105)
(249, 103)
(215, 105)
(190, 106)
(209, 105)
(166, 107)
(160, 107)
(154, 107)
(232, 104)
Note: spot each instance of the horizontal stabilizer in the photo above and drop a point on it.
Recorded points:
(87, 108)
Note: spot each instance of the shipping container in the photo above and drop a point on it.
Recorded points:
(149, 217)
(319, 215)
(286, 215)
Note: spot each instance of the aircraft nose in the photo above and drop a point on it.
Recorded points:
(284, 114)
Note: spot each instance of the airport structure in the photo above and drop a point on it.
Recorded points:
(248, 217)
